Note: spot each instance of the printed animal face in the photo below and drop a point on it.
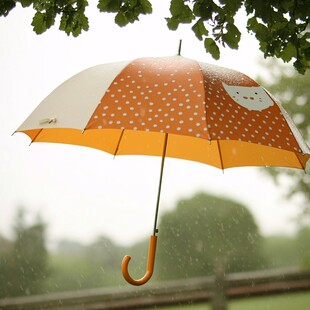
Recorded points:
(251, 98)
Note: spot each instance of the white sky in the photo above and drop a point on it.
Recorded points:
(80, 192)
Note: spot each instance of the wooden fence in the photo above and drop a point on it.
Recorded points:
(161, 294)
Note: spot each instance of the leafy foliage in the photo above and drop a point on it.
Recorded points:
(6, 6)
(128, 11)
(280, 26)
(214, 23)
(73, 18)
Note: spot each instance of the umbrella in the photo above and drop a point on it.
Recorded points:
(169, 107)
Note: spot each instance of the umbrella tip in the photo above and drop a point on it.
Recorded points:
(180, 47)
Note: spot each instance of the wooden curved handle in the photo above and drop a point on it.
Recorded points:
(150, 265)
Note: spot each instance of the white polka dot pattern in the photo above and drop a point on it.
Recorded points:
(165, 95)
(180, 96)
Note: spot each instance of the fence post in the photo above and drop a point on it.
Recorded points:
(219, 287)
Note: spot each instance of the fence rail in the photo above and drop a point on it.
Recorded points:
(165, 293)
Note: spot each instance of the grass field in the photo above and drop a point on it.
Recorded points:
(292, 301)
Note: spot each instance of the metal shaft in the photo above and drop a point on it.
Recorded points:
(160, 181)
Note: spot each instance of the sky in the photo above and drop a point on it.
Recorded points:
(81, 193)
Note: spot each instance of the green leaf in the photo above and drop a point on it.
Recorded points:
(231, 6)
(127, 11)
(301, 65)
(176, 7)
(180, 11)
(203, 9)
(84, 22)
(63, 22)
(121, 19)
(73, 22)
(200, 29)
(109, 6)
(287, 5)
(172, 23)
(212, 48)
(288, 52)
(38, 23)
(261, 31)
(6, 6)
(26, 3)
(232, 37)
(252, 23)
(146, 6)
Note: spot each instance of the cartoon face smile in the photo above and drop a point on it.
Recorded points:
(251, 98)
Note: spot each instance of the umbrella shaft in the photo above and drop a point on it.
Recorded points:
(160, 181)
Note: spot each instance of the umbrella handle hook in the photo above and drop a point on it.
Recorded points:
(150, 265)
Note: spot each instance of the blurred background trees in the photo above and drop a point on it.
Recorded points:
(303, 247)
(201, 234)
(76, 266)
(24, 262)
(204, 233)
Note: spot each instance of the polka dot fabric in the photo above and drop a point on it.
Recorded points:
(160, 94)
(180, 96)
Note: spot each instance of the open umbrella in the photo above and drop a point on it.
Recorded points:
(169, 107)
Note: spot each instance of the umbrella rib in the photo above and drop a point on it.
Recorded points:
(160, 181)
(35, 136)
(220, 153)
(301, 164)
(119, 142)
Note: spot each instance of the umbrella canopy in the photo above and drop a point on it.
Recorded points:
(213, 115)
(174, 107)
